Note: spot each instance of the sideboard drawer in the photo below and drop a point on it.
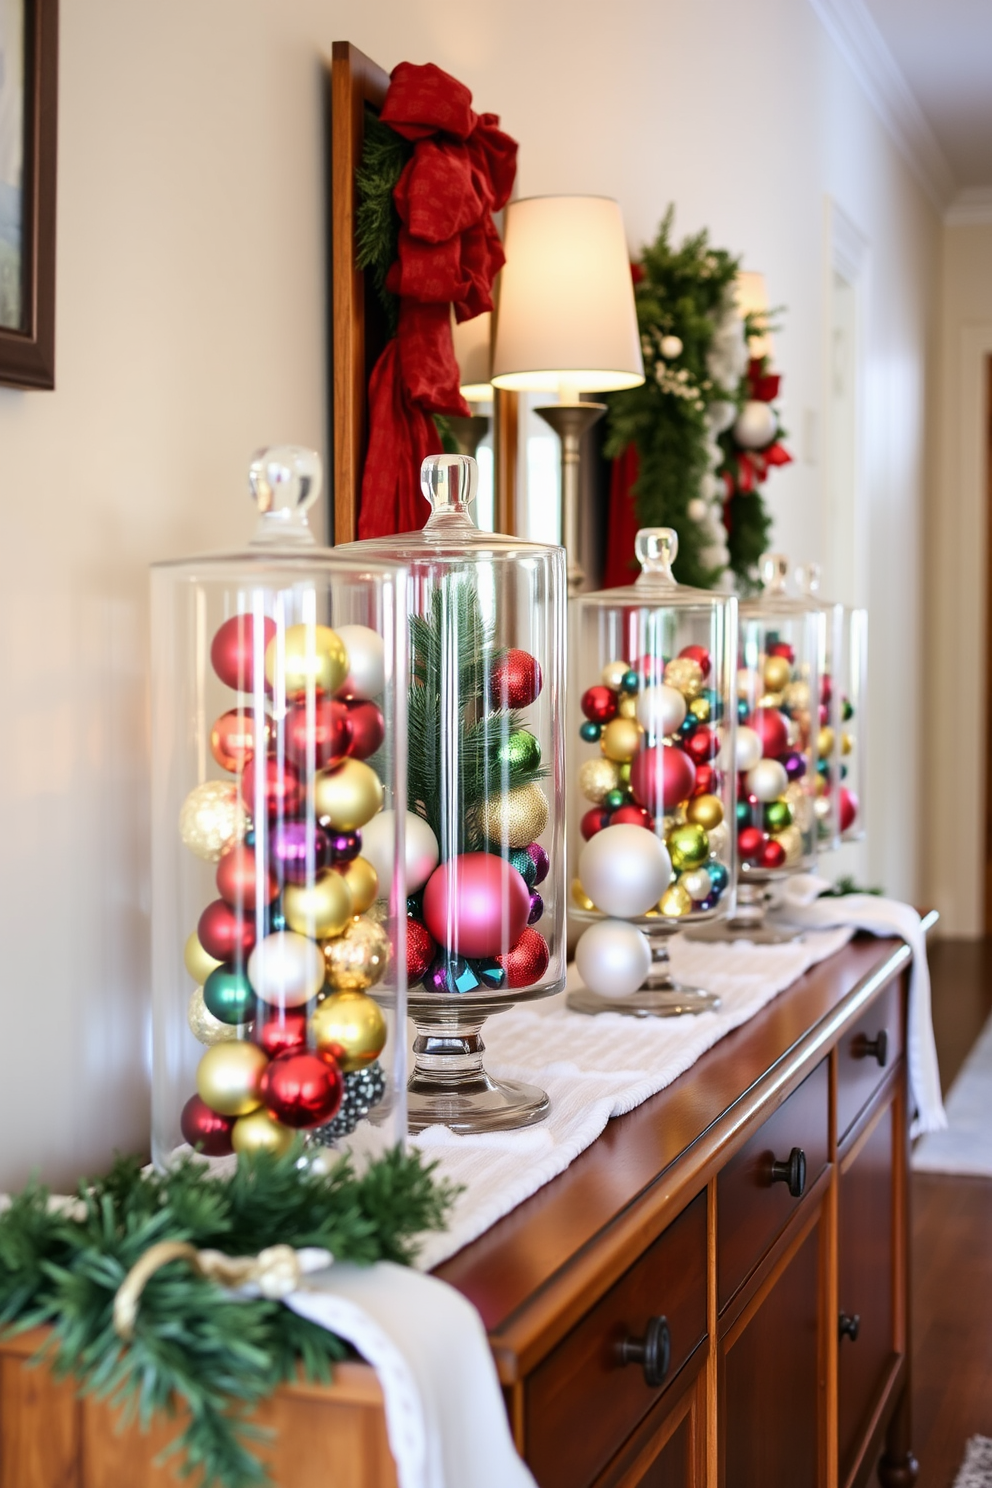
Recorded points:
(867, 1053)
(582, 1401)
(753, 1206)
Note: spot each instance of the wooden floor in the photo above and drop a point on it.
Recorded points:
(952, 1247)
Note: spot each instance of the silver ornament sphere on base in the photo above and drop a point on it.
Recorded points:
(659, 995)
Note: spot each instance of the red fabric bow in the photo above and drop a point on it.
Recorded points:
(461, 171)
(764, 386)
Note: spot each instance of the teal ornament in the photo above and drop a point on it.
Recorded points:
(719, 877)
(452, 976)
(614, 799)
(590, 731)
(742, 710)
(228, 994)
(520, 751)
(521, 859)
(689, 724)
(843, 772)
(491, 975)
(630, 681)
(716, 703)
(743, 813)
(846, 709)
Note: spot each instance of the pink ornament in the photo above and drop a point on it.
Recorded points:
(476, 905)
(232, 651)
(662, 777)
(772, 728)
(848, 808)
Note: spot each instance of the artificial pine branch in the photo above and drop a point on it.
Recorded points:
(377, 223)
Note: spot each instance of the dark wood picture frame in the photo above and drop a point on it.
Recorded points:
(27, 354)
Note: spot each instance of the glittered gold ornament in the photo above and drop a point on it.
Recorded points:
(350, 1026)
(321, 909)
(770, 700)
(580, 898)
(700, 708)
(621, 739)
(614, 673)
(202, 1023)
(685, 675)
(362, 883)
(798, 799)
(597, 777)
(627, 706)
(229, 1077)
(796, 696)
(519, 816)
(822, 807)
(261, 1132)
(719, 841)
(212, 819)
(689, 846)
(675, 902)
(825, 743)
(706, 811)
(347, 796)
(310, 657)
(358, 958)
(846, 743)
(777, 673)
(197, 962)
(791, 842)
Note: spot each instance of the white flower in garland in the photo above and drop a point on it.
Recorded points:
(726, 360)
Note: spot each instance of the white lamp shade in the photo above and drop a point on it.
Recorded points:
(751, 295)
(566, 316)
(474, 355)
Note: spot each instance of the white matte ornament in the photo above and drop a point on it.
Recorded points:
(286, 969)
(697, 884)
(625, 870)
(697, 510)
(660, 710)
(366, 664)
(756, 425)
(767, 780)
(420, 851)
(749, 748)
(613, 958)
(671, 347)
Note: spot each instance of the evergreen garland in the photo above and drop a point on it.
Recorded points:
(377, 223)
(193, 1344)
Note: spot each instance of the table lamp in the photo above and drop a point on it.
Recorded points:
(566, 323)
(472, 340)
(751, 297)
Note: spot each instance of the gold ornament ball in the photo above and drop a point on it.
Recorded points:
(719, 842)
(627, 706)
(321, 909)
(212, 819)
(580, 898)
(747, 683)
(203, 1025)
(791, 842)
(261, 1132)
(777, 673)
(675, 902)
(520, 816)
(689, 846)
(820, 787)
(825, 743)
(362, 883)
(614, 673)
(620, 740)
(846, 743)
(625, 772)
(798, 798)
(358, 958)
(597, 777)
(350, 1026)
(229, 1077)
(796, 696)
(311, 657)
(770, 700)
(347, 796)
(706, 811)
(197, 962)
(700, 708)
(685, 675)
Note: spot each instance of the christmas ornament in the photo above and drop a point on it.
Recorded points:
(750, 841)
(599, 704)
(344, 845)
(536, 908)
(597, 777)
(749, 749)
(197, 962)
(310, 659)
(848, 808)
(362, 883)
(685, 674)
(319, 910)
(625, 870)
(366, 662)
(229, 1077)
(281, 1030)
(621, 739)
(234, 647)
(631, 815)
(225, 934)
(613, 958)
(777, 673)
(286, 969)
(756, 425)
(318, 732)
(232, 738)
(204, 1027)
(228, 996)
(421, 949)
(350, 1027)
(261, 1132)
(363, 1089)
(521, 859)
(239, 881)
(772, 854)
(515, 681)
(670, 347)
(420, 850)
(791, 842)
(357, 959)
(476, 905)
(702, 745)
(520, 751)
(347, 796)
(613, 674)
(270, 788)
(662, 777)
(661, 710)
(299, 850)
(675, 902)
(212, 819)
(688, 845)
(772, 728)
(541, 861)
(706, 811)
(368, 729)
(206, 1130)
(527, 962)
(302, 1088)
(767, 780)
(515, 818)
(594, 821)
(697, 884)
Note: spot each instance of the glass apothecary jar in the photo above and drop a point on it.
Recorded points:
(484, 800)
(279, 691)
(652, 691)
(841, 741)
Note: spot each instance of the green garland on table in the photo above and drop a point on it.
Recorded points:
(193, 1344)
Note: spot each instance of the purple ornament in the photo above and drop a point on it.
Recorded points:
(344, 845)
(795, 764)
(299, 849)
(540, 860)
(536, 909)
(707, 903)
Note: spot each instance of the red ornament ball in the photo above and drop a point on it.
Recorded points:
(848, 808)
(599, 704)
(232, 652)
(420, 950)
(279, 786)
(662, 777)
(326, 730)
(701, 656)
(476, 905)
(232, 738)
(368, 729)
(750, 841)
(826, 688)
(632, 816)
(772, 728)
(515, 681)
(225, 934)
(286, 1029)
(782, 648)
(772, 855)
(528, 960)
(302, 1088)
(706, 781)
(702, 744)
(205, 1129)
(238, 880)
(594, 821)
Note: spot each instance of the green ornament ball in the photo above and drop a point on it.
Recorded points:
(778, 816)
(520, 751)
(228, 994)
(590, 731)
(630, 682)
(614, 799)
(689, 846)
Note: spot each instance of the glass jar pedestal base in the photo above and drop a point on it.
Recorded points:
(449, 1085)
(749, 920)
(658, 996)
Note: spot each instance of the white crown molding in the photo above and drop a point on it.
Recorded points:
(851, 27)
(970, 208)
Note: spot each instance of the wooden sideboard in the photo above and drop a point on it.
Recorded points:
(714, 1295)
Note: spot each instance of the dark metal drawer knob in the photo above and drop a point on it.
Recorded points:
(876, 1048)
(653, 1351)
(792, 1172)
(849, 1325)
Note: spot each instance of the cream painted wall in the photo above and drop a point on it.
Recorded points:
(957, 539)
(191, 318)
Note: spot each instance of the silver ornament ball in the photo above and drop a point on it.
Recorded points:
(613, 958)
(625, 870)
